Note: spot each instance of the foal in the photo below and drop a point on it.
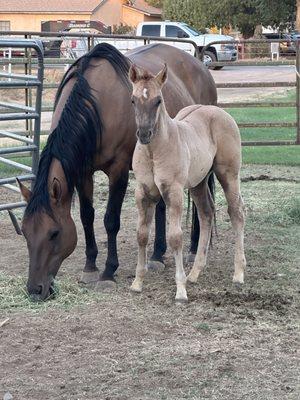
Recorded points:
(176, 154)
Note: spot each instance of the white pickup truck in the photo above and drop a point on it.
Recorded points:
(180, 30)
(166, 29)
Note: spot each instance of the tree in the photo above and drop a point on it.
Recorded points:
(243, 14)
(155, 3)
(189, 11)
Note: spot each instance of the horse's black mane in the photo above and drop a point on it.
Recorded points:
(74, 141)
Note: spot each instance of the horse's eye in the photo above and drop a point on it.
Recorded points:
(53, 235)
(132, 101)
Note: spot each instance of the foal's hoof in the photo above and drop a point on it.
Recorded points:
(190, 258)
(89, 277)
(181, 301)
(238, 278)
(192, 278)
(106, 286)
(136, 287)
(155, 266)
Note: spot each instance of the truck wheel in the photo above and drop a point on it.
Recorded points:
(209, 57)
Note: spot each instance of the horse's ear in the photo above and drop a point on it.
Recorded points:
(162, 76)
(133, 73)
(25, 192)
(55, 190)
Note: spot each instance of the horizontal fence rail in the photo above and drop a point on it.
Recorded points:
(31, 62)
(259, 104)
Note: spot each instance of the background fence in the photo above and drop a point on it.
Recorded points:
(29, 63)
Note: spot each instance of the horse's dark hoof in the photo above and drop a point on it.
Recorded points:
(106, 286)
(89, 277)
(155, 266)
(190, 258)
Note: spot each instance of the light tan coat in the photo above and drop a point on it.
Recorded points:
(176, 154)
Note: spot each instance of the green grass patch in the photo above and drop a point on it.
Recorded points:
(9, 171)
(271, 155)
(202, 326)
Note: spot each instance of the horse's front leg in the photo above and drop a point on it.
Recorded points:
(118, 180)
(85, 190)
(173, 197)
(145, 206)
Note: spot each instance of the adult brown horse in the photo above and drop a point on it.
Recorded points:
(93, 128)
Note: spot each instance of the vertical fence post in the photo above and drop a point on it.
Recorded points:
(298, 90)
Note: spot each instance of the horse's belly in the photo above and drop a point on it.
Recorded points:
(199, 168)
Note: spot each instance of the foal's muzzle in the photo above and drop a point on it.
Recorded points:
(144, 135)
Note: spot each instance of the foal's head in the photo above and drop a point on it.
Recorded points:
(147, 100)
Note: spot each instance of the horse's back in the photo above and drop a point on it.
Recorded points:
(214, 117)
(189, 81)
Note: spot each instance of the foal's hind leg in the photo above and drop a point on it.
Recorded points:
(156, 261)
(145, 206)
(205, 208)
(231, 186)
(90, 272)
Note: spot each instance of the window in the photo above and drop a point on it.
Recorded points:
(4, 26)
(151, 30)
(174, 31)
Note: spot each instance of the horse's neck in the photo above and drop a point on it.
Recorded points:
(165, 125)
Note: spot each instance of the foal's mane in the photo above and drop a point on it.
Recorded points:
(74, 141)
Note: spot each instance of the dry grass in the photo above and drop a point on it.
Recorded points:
(228, 342)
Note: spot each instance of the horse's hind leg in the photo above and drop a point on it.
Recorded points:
(205, 208)
(156, 261)
(85, 192)
(118, 180)
(231, 186)
(145, 205)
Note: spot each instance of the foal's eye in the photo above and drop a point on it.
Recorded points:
(53, 235)
(158, 102)
(132, 101)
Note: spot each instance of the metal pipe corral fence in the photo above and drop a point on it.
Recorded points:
(22, 112)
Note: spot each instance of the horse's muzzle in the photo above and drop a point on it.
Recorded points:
(144, 135)
(40, 292)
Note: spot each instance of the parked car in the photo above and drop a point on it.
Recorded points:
(52, 47)
(169, 29)
(76, 47)
(286, 48)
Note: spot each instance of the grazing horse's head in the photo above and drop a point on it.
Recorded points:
(147, 100)
(49, 231)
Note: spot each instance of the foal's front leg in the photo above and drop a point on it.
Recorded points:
(174, 200)
(146, 207)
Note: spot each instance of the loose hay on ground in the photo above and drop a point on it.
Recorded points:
(228, 342)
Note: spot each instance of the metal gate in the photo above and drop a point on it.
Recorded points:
(15, 112)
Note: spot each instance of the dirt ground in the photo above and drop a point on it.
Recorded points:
(226, 343)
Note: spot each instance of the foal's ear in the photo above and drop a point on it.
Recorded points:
(25, 192)
(134, 73)
(162, 76)
(55, 190)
